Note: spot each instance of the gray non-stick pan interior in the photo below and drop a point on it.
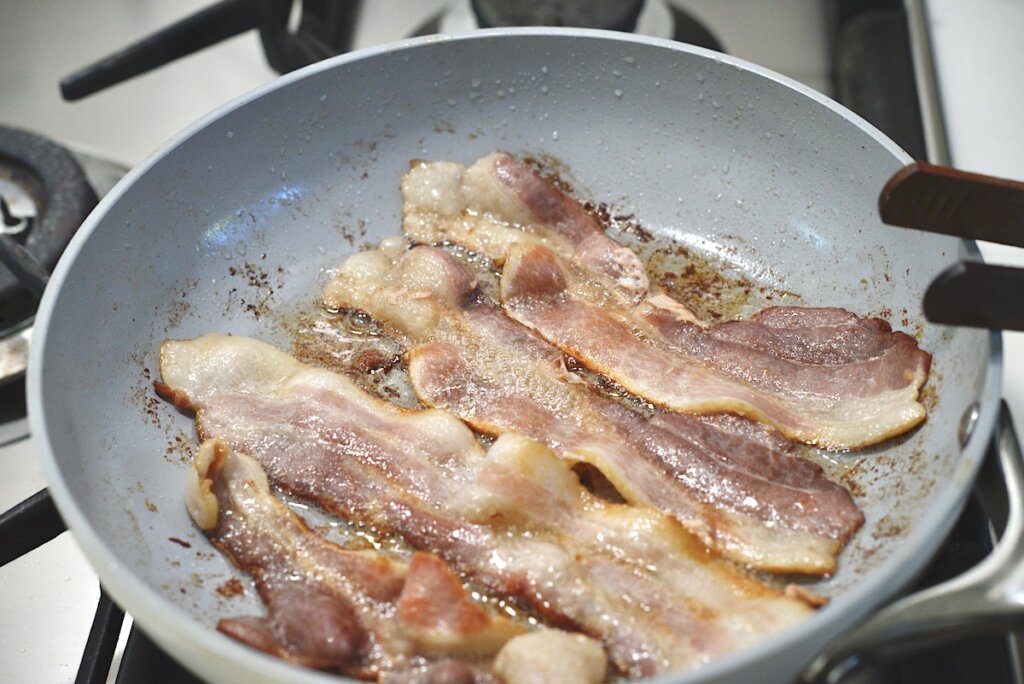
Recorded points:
(237, 223)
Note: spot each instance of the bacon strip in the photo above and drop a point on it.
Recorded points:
(356, 612)
(821, 376)
(514, 518)
(498, 203)
(681, 366)
(719, 479)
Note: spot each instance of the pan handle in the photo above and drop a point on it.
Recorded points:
(987, 599)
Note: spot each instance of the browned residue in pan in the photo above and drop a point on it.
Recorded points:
(232, 588)
(707, 286)
(889, 526)
(551, 169)
(180, 448)
(442, 126)
(179, 305)
(255, 294)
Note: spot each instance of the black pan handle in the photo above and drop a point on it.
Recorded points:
(938, 199)
(977, 295)
(987, 599)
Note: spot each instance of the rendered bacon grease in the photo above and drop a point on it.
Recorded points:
(644, 574)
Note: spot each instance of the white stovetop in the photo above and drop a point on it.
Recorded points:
(47, 598)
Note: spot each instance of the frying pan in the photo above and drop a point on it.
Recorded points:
(235, 225)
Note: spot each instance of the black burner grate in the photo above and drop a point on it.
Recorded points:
(36, 521)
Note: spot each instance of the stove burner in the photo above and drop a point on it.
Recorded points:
(656, 18)
(614, 15)
(18, 212)
(44, 197)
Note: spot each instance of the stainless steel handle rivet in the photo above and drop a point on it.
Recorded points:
(967, 422)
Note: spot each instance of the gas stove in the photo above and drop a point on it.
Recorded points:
(863, 57)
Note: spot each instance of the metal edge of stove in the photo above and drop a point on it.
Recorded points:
(936, 140)
(988, 489)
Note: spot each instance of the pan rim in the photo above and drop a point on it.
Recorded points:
(174, 629)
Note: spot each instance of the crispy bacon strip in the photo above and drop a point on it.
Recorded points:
(515, 518)
(680, 365)
(821, 376)
(720, 478)
(356, 612)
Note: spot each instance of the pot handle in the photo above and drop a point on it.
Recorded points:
(987, 599)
